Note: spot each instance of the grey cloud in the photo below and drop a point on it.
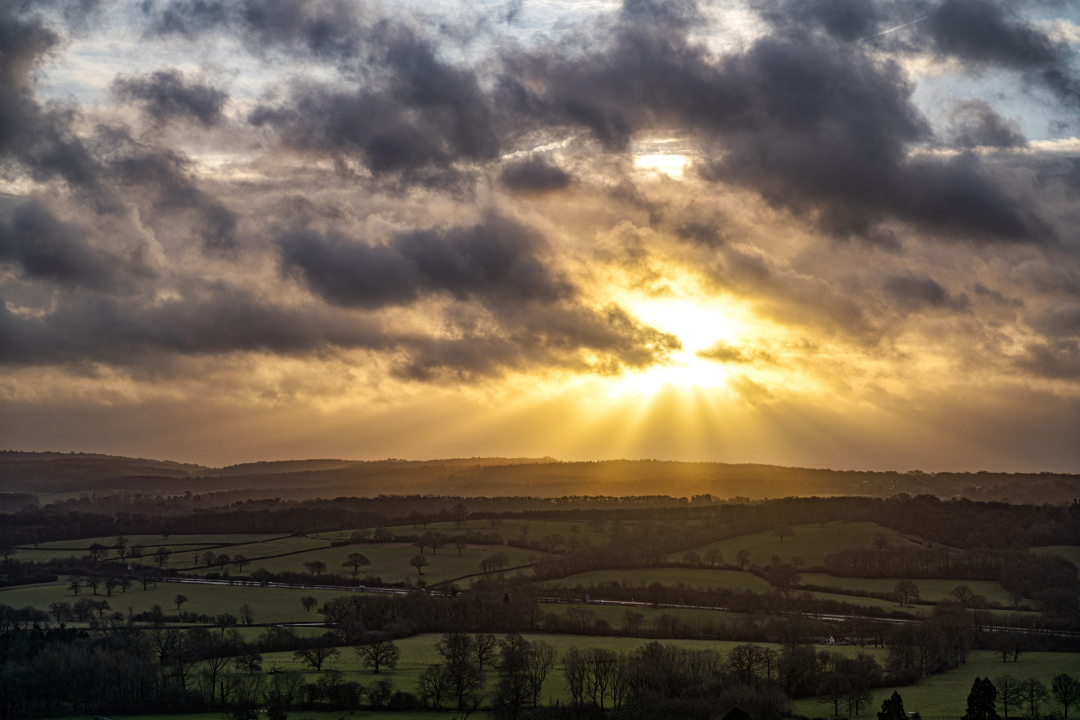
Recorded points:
(414, 120)
(1058, 360)
(534, 176)
(494, 260)
(723, 352)
(975, 123)
(167, 95)
(984, 33)
(46, 247)
(916, 293)
(328, 29)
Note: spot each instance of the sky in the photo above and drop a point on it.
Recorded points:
(827, 233)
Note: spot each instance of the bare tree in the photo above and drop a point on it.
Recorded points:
(316, 655)
(379, 654)
(315, 567)
(161, 556)
(180, 600)
(906, 592)
(419, 562)
(356, 561)
(783, 531)
(308, 602)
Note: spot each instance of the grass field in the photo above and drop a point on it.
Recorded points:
(252, 551)
(810, 542)
(153, 541)
(930, 590)
(508, 529)
(271, 604)
(691, 577)
(946, 694)
(390, 561)
(418, 652)
(1069, 552)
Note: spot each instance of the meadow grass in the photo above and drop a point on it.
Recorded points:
(271, 604)
(932, 590)
(153, 541)
(946, 693)
(252, 551)
(699, 578)
(810, 542)
(509, 528)
(1069, 552)
(390, 561)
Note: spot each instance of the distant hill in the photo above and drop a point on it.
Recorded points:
(44, 474)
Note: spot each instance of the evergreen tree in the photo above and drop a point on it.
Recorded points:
(982, 701)
(892, 708)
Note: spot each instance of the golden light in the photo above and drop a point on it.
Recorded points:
(671, 165)
(698, 324)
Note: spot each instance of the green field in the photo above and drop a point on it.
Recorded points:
(810, 542)
(153, 541)
(1069, 552)
(271, 604)
(418, 652)
(929, 590)
(509, 529)
(701, 578)
(390, 561)
(252, 551)
(946, 694)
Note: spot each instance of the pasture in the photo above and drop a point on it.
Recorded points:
(932, 590)
(510, 528)
(390, 561)
(946, 693)
(810, 542)
(1069, 552)
(698, 578)
(271, 604)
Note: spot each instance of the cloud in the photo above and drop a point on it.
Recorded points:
(534, 176)
(919, 293)
(48, 248)
(494, 260)
(167, 95)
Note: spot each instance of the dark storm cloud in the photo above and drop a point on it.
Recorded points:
(534, 176)
(38, 138)
(167, 95)
(322, 28)
(975, 123)
(817, 128)
(414, 119)
(983, 33)
(207, 321)
(494, 260)
(552, 335)
(1057, 360)
(166, 177)
(913, 293)
(44, 247)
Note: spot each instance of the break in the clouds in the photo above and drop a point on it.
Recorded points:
(639, 225)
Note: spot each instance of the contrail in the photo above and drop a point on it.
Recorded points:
(886, 32)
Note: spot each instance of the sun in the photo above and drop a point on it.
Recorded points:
(698, 323)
